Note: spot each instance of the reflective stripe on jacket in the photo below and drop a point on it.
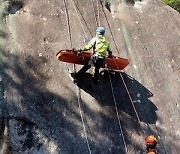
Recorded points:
(101, 46)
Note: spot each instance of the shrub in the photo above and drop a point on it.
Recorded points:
(175, 4)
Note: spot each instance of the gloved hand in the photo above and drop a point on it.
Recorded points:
(79, 51)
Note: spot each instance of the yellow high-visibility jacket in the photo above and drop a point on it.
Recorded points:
(100, 46)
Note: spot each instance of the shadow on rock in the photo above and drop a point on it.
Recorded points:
(12, 6)
(38, 118)
(110, 91)
(3, 34)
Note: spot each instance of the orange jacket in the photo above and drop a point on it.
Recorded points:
(151, 152)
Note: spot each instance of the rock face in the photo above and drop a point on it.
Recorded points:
(43, 111)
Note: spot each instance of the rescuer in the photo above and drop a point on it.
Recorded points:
(100, 48)
(151, 143)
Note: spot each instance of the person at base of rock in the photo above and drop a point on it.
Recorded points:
(100, 48)
(151, 143)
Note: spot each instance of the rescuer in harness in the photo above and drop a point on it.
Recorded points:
(100, 48)
(151, 143)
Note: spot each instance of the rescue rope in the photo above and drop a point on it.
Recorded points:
(84, 127)
(69, 32)
(113, 98)
(77, 89)
(98, 16)
(116, 64)
(126, 85)
(115, 103)
(75, 8)
(109, 26)
(119, 122)
(68, 24)
(78, 11)
(127, 90)
(94, 13)
(117, 113)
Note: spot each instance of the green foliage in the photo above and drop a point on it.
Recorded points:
(175, 4)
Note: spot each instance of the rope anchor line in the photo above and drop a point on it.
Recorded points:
(119, 122)
(77, 89)
(127, 90)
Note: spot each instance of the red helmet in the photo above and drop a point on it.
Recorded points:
(151, 140)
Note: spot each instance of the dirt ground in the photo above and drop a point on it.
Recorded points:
(43, 112)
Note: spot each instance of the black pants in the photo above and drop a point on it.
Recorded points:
(97, 62)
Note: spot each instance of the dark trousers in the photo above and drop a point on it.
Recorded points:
(97, 62)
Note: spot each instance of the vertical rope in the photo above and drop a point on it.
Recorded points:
(118, 67)
(82, 119)
(68, 23)
(99, 22)
(94, 13)
(117, 113)
(115, 103)
(109, 26)
(75, 8)
(78, 11)
(77, 89)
